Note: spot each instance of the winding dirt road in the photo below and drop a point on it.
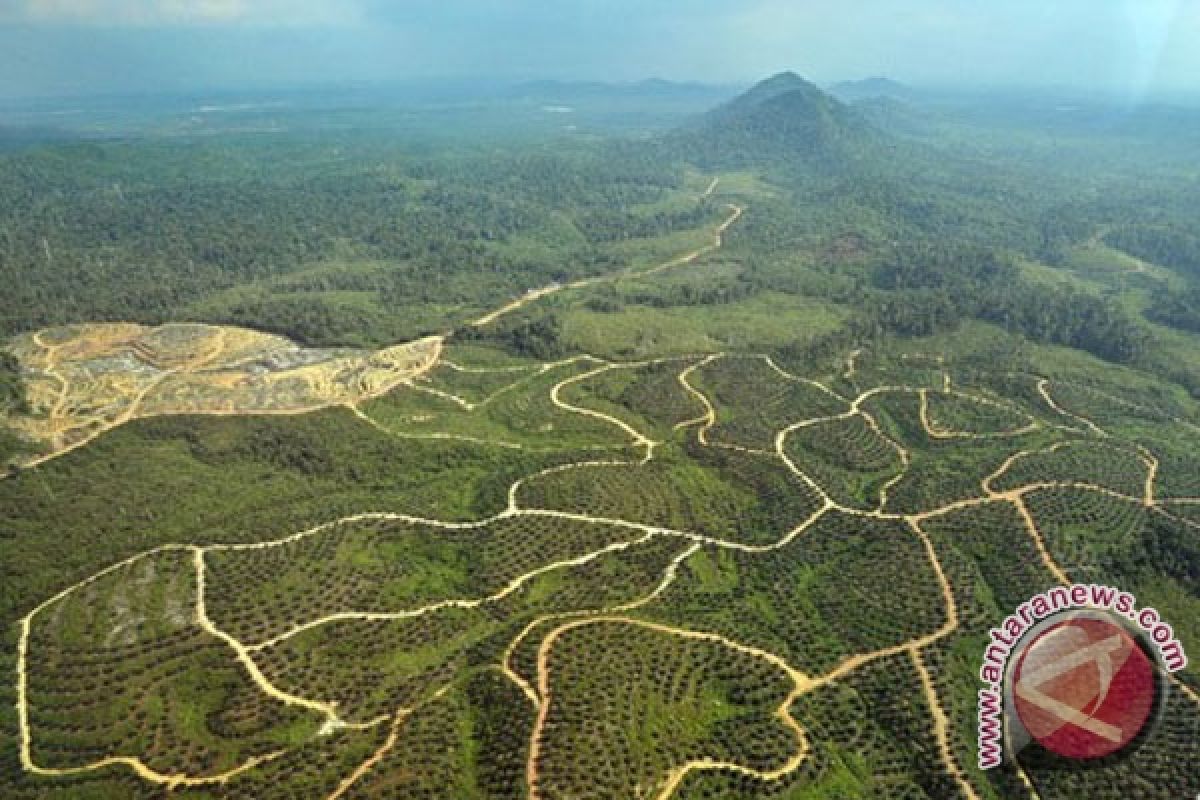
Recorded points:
(541, 696)
(533, 295)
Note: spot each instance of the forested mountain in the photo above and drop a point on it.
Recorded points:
(939, 234)
(785, 121)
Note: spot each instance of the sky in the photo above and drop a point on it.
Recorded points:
(82, 47)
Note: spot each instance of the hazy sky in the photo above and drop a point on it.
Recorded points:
(86, 46)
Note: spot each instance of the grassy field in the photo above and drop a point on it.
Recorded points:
(640, 331)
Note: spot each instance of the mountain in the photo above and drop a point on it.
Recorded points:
(786, 121)
(871, 89)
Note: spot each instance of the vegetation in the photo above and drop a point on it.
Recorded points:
(294, 237)
(1170, 246)
(261, 594)
(848, 456)
(721, 493)
(663, 701)
(754, 401)
(470, 742)
(750, 498)
(814, 601)
(12, 385)
(193, 712)
(1180, 309)
(13, 400)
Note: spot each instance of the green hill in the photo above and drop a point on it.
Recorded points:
(786, 121)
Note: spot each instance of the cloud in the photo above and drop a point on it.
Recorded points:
(1112, 44)
(1133, 47)
(168, 13)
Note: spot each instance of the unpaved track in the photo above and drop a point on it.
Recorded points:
(57, 415)
(770, 362)
(941, 726)
(933, 431)
(803, 683)
(799, 680)
(332, 720)
(51, 369)
(533, 295)
(735, 213)
(638, 440)
(709, 418)
(522, 301)
(541, 697)
(373, 760)
(513, 585)
(25, 737)
(59, 422)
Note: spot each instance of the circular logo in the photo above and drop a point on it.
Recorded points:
(1084, 688)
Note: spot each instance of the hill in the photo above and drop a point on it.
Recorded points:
(784, 120)
(871, 89)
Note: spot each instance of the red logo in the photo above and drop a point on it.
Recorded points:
(1084, 688)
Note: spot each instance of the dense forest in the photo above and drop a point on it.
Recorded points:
(12, 401)
(1177, 309)
(931, 288)
(12, 387)
(149, 233)
(1170, 246)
